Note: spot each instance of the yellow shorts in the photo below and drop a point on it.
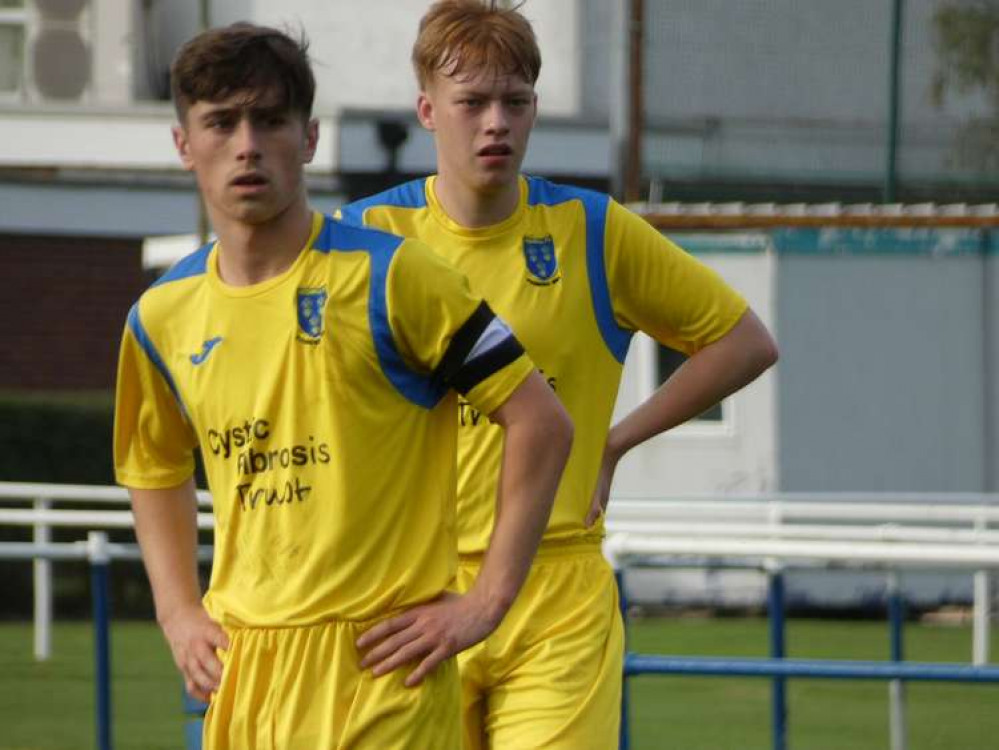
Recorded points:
(550, 676)
(303, 689)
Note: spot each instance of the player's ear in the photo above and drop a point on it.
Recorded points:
(183, 146)
(425, 111)
(311, 140)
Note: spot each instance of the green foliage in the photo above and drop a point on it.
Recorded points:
(966, 39)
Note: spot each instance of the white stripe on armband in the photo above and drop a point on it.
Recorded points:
(494, 334)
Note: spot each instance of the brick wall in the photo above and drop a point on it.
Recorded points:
(63, 303)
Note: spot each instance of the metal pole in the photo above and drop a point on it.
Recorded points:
(893, 103)
(778, 690)
(43, 588)
(636, 103)
(896, 688)
(100, 561)
(624, 735)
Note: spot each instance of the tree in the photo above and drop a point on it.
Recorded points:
(966, 39)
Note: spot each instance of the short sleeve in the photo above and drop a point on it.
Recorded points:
(444, 330)
(153, 440)
(661, 290)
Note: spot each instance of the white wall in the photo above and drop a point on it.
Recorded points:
(361, 48)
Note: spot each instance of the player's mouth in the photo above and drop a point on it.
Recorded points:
(495, 154)
(249, 182)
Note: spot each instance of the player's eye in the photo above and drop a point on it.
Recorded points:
(273, 120)
(219, 122)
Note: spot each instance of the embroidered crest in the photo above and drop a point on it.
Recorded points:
(311, 304)
(542, 263)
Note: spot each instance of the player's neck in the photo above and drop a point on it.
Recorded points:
(253, 253)
(475, 209)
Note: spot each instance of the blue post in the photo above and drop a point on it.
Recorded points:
(778, 692)
(100, 562)
(896, 616)
(194, 712)
(624, 739)
(896, 688)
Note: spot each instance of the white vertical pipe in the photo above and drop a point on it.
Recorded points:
(896, 689)
(43, 588)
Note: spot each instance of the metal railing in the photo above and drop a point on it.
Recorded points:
(774, 534)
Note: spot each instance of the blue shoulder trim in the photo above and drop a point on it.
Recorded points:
(410, 194)
(543, 193)
(337, 236)
(139, 331)
(194, 264)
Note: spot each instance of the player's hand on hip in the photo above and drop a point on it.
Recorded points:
(193, 637)
(425, 635)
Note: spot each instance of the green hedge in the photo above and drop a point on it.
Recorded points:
(56, 438)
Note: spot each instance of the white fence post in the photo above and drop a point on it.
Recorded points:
(896, 688)
(43, 587)
(982, 607)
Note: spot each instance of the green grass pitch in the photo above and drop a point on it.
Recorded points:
(50, 706)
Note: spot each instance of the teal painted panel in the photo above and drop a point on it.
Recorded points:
(704, 243)
(922, 241)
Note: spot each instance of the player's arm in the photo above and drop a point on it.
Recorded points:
(153, 444)
(166, 525)
(537, 440)
(657, 288)
(485, 362)
(704, 379)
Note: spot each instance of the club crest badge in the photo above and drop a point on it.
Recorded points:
(541, 260)
(311, 304)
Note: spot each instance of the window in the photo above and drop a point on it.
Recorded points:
(13, 24)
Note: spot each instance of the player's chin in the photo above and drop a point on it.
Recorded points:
(493, 179)
(256, 213)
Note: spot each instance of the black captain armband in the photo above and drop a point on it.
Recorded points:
(482, 346)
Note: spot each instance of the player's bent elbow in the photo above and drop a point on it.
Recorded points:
(767, 353)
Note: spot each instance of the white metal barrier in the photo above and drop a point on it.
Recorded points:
(42, 517)
(887, 530)
(852, 530)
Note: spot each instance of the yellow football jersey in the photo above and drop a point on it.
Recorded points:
(323, 404)
(574, 274)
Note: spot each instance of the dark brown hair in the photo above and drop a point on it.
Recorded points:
(463, 36)
(242, 57)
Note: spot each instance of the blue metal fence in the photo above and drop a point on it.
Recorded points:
(778, 668)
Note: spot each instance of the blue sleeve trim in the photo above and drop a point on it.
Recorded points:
(410, 194)
(139, 331)
(194, 264)
(417, 387)
(595, 205)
